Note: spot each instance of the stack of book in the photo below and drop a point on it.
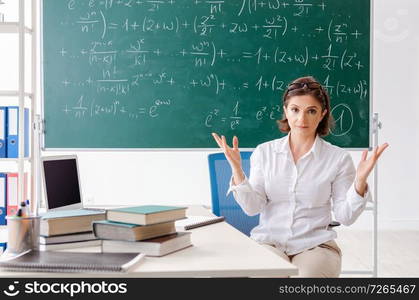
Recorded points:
(69, 229)
(148, 229)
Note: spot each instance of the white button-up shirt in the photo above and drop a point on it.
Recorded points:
(295, 200)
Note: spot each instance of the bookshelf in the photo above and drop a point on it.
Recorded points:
(13, 27)
(21, 96)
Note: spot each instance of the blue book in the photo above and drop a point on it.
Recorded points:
(3, 126)
(3, 195)
(146, 214)
(12, 136)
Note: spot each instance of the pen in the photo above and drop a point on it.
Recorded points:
(28, 207)
(23, 209)
(19, 212)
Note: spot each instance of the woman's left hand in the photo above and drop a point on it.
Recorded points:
(365, 166)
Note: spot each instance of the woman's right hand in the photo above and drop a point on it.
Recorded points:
(232, 154)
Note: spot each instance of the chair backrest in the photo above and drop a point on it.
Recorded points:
(222, 205)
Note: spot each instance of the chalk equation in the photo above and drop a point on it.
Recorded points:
(229, 118)
(223, 64)
(92, 108)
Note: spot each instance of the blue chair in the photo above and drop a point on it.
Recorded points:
(222, 205)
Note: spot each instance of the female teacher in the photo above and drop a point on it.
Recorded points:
(296, 182)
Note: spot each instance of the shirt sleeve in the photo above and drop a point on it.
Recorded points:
(250, 193)
(347, 203)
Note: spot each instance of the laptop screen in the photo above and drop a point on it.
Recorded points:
(61, 182)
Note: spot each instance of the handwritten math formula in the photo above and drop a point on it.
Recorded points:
(226, 63)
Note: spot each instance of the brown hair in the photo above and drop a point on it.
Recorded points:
(308, 86)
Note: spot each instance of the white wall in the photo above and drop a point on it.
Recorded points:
(182, 177)
(396, 78)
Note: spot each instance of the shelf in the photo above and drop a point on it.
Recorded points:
(15, 159)
(12, 27)
(13, 94)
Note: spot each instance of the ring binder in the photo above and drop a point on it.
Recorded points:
(71, 262)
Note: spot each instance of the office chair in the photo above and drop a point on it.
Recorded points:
(222, 205)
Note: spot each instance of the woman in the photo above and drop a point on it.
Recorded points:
(296, 182)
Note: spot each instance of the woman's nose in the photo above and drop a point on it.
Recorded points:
(302, 117)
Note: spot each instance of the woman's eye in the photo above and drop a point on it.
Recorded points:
(312, 111)
(294, 109)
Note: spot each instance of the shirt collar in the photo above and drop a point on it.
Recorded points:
(282, 145)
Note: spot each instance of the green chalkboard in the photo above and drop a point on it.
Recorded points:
(165, 74)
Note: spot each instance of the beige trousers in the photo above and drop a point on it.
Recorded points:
(323, 260)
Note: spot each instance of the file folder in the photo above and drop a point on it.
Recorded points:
(3, 240)
(12, 193)
(3, 204)
(3, 246)
(3, 125)
(12, 136)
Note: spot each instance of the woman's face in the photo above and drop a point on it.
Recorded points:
(304, 114)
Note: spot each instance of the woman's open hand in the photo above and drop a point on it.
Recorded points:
(365, 167)
(232, 154)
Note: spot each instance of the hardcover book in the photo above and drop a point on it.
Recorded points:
(67, 238)
(69, 245)
(146, 214)
(69, 221)
(131, 232)
(152, 247)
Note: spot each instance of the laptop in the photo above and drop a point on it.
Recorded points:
(61, 180)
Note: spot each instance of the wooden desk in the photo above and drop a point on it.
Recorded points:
(218, 250)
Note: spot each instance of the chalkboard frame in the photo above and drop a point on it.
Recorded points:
(371, 126)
